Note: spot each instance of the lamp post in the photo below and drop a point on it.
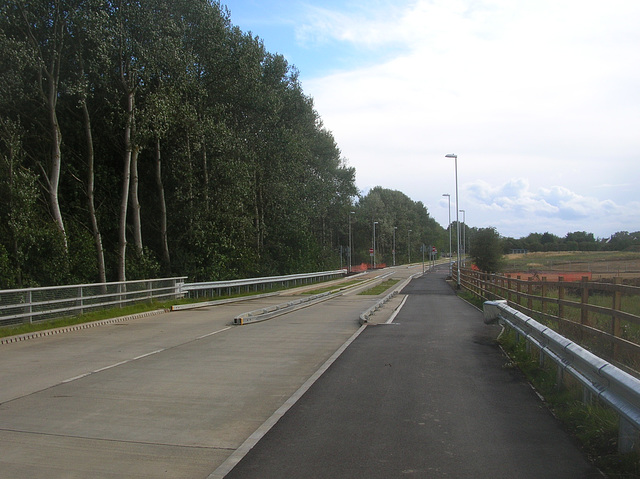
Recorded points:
(409, 244)
(350, 241)
(455, 157)
(449, 228)
(374, 244)
(464, 236)
(394, 244)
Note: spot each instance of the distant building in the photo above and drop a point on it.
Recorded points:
(519, 251)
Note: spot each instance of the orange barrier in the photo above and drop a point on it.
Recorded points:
(359, 268)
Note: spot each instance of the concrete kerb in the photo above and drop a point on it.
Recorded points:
(78, 327)
(366, 315)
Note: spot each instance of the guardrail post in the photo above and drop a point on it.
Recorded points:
(29, 306)
(80, 300)
(628, 437)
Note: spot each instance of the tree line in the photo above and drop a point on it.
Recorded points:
(575, 241)
(152, 138)
(155, 138)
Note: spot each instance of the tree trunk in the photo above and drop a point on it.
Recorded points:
(49, 75)
(135, 201)
(205, 175)
(166, 260)
(56, 162)
(97, 237)
(124, 201)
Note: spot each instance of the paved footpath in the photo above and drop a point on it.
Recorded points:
(426, 396)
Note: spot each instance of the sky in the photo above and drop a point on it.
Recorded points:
(539, 100)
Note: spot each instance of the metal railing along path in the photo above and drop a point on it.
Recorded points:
(218, 288)
(30, 305)
(616, 388)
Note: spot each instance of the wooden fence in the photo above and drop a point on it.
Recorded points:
(602, 317)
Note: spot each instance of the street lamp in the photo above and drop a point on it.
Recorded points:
(449, 228)
(409, 244)
(464, 236)
(455, 157)
(394, 244)
(350, 241)
(374, 244)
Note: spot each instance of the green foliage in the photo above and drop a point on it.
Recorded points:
(395, 212)
(593, 424)
(575, 241)
(236, 174)
(380, 288)
(486, 250)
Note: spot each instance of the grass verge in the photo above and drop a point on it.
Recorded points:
(333, 287)
(594, 424)
(380, 288)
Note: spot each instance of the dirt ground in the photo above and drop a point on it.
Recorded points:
(600, 265)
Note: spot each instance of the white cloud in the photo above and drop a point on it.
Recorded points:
(556, 209)
(542, 91)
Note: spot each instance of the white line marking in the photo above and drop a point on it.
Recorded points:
(395, 313)
(75, 378)
(211, 334)
(112, 366)
(149, 354)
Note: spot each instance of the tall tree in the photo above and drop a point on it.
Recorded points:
(42, 26)
(486, 250)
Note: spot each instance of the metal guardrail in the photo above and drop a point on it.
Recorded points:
(269, 312)
(30, 305)
(618, 389)
(215, 288)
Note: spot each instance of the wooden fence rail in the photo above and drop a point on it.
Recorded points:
(602, 317)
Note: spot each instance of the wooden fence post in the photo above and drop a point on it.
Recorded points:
(530, 294)
(560, 305)
(584, 313)
(544, 294)
(616, 328)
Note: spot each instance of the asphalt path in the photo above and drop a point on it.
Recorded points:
(430, 395)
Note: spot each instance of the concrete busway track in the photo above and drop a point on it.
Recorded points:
(171, 395)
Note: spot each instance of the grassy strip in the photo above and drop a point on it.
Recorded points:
(84, 318)
(381, 288)
(595, 425)
(333, 287)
